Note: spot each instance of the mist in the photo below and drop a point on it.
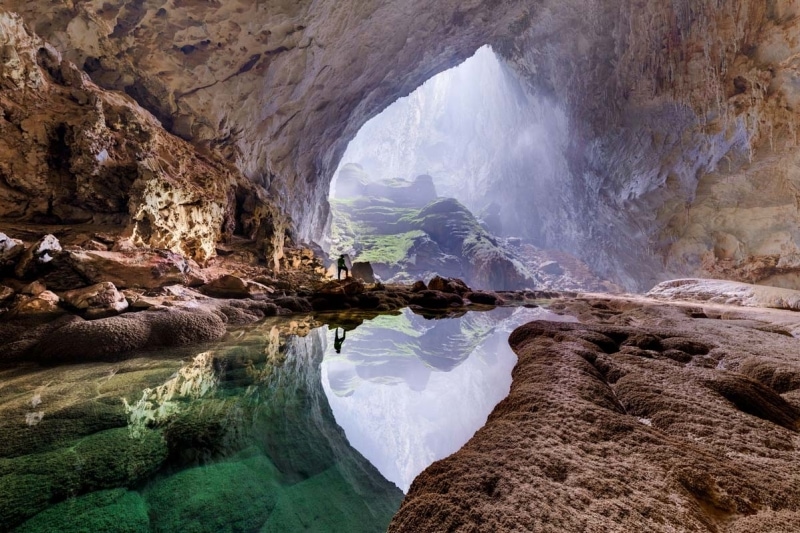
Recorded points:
(482, 138)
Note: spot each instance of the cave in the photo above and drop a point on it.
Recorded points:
(594, 204)
(448, 144)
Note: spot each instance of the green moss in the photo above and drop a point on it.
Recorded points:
(229, 497)
(388, 249)
(327, 502)
(117, 510)
(108, 459)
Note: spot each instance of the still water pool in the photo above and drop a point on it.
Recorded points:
(300, 424)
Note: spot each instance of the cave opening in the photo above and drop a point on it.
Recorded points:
(448, 181)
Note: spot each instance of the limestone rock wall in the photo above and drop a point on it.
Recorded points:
(71, 152)
(681, 116)
(682, 125)
(278, 87)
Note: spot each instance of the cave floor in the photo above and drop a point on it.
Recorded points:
(646, 416)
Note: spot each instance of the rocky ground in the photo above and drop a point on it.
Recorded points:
(89, 295)
(407, 232)
(646, 416)
(651, 415)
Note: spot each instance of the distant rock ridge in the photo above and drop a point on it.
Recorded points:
(405, 232)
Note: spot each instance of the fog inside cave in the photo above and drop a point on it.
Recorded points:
(477, 132)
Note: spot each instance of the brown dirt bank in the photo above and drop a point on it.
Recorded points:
(644, 417)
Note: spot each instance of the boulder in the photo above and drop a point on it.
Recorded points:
(419, 286)
(552, 268)
(34, 288)
(345, 287)
(45, 303)
(37, 255)
(97, 301)
(6, 293)
(362, 270)
(295, 304)
(230, 286)
(483, 298)
(432, 299)
(448, 285)
(10, 249)
(147, 269)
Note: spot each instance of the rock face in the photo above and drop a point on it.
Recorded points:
(616, 428)
(677, 119)
(95, 155)
(405, 232)
(728, 292)
(363, 271)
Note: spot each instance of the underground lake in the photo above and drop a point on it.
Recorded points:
(292, 424)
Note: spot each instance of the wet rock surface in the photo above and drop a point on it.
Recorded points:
(125, 299)
(640, 418)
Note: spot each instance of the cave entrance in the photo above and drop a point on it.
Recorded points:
(441, 182)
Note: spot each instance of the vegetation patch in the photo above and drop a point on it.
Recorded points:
(388, 249)
(116, 510)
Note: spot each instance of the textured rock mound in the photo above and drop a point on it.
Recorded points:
(97, 339)
(728, 292)
(597, 413)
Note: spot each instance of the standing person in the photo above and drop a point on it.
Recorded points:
(342, 265)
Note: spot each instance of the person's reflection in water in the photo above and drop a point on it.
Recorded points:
(337, 342)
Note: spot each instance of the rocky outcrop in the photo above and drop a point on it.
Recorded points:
(229, 286)
(95, 155)
(406, 232)
(599, 411)
(363, 271)
(97, 301)
(727, 292)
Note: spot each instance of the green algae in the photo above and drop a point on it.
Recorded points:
(325, 503)
(107, 459)
(117, 510)
(228, 497)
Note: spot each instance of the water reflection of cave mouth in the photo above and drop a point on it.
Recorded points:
(408, 391)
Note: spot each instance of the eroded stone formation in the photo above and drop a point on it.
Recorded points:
(683, 422)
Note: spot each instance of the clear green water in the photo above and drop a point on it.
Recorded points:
(241, 436)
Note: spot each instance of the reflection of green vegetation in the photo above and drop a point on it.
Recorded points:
(223, 497)
(399, 323)
(110, 510)
(326, 502)
(388, 249)
(104, 460)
